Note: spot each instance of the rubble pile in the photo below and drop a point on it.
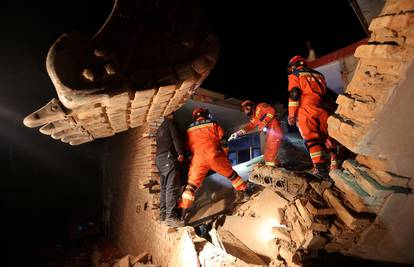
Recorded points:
(379, 181)
(288, 184)
(305, 218)
(320, 215)
(379, 91)
(223, 250)
(361, 212)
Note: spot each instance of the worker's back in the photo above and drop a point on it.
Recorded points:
(168, 138)
(311, 83)
(204, 135)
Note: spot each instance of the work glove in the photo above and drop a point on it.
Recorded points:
(236, 135)
(180, 158)
(233, 136)
(292, 121)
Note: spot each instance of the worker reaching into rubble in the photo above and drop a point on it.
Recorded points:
(208, 145)
(307, 88)
(263, 116)
(170, 152)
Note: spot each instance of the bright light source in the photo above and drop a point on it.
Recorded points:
(265, 230)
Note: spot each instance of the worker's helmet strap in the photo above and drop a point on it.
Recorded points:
(295, 63)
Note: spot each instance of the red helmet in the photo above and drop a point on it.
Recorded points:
(296, 62)
(247, 103)
(200, 112)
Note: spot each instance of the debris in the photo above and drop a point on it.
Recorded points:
(143, 257)
(233, 246)
(343, 213)
(287, 183)
(281, 234)
(315, 209)
(320, 186)
(184, 253)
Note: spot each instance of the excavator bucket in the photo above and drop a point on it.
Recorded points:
(145, 62)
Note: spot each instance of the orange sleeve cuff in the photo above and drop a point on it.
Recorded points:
(293, 108)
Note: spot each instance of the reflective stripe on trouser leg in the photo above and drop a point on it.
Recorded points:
(316, 151)
(331, 147)
(316, 154)
(237, 182)
(187, 198)
(334, 162)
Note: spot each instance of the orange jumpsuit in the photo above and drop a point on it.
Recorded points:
(207, 143)
(310, 116)
(264, 116)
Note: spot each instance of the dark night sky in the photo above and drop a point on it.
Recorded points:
(259, 37)
(46, 183)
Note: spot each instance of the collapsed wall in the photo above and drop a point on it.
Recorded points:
(379, 93)
(374, 120)
(366, 213)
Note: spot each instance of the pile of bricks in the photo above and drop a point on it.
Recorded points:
(328, 216)
(367, 193)
(305, 228)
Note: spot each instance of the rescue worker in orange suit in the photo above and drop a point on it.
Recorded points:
(208, 145)
(307, 88)
(263, 117)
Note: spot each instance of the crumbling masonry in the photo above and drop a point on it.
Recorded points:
(105, 88)
(370, 200)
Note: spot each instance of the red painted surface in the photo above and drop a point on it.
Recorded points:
(341, 53)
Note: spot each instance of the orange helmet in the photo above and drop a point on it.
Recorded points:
(200, 112)
(296, 62)
(247, 103)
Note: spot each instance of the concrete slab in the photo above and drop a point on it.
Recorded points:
(233, 246)
(184, 254)
(255, 233)
(261, 208)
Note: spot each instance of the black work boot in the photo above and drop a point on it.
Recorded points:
(322, 171)
(162, 217)
(175, 219)
(174, 222)
(182, 213)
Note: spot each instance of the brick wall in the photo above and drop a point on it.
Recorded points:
(367, 119)
(130, 170)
